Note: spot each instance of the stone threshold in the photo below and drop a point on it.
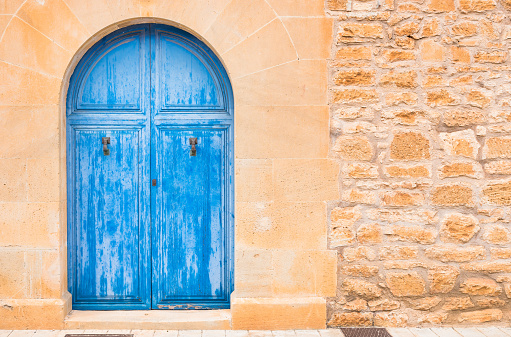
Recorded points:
(150, 319)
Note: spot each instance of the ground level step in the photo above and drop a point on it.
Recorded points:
(150, 319)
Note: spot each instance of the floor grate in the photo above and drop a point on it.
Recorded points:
(365, 332)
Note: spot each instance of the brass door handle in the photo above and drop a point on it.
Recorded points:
(105, 141)
(193, 142)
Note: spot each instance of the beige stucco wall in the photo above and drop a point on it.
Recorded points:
(275, 52)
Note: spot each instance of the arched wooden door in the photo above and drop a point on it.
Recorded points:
(150, 174)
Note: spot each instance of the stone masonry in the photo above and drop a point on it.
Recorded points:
(420, 102)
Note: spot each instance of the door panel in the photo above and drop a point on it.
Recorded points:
(185, 80)
(189, 236)
(132, 244)
(109, 220)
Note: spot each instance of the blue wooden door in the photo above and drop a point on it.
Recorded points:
(150, 174)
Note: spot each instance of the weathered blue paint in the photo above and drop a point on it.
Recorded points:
(132, 245)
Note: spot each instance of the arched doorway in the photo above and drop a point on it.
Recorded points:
(150, 174)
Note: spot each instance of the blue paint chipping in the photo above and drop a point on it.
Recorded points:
(131, 245)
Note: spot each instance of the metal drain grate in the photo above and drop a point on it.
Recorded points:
(365, 332)
(99, 335)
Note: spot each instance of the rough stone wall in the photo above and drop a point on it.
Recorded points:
(420, 95)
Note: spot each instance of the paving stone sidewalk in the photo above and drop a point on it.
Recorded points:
(395, 332)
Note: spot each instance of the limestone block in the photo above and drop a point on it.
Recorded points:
(425, 303)
(360, 270)
(369, 234)
(354, 148)
(453, 253)
(458, 228)
(390, 319)
(278, 313)
(312, 37)
(497, 234)
(398, 98)
(457, 303)
(358, 77)
(500, 253)
(480, 286)
(27, 87)
(195, 14)
(305, 180)
(383, 304)
(460, 143)
(359, 253)
(460, 169)
(406, 79)
(356, 305)
(254, 180)
(304, 273)
(497, 147)
(13, 180)
(490, 302)
(302, 8)
(43, 180)
(408, 171)
(460, 55)
(93, 15)
(24, 46)
(432, 51)
(488, 267)
(12, 275)
(481, 316)
(282, 225)
(498, 167)
(497, 193)
(407, 28)
(479, 98)
(296, 83)
(237, 21)
(54, 19)
(353, 30)
(253, 273)
(398, 252)
(354, 319)
(10, 7)
(38, 127)
(342, 231)
(360, 171)
(452, 195)
(34, 225)
(409, 146)
(266, 48)
(476, 5)
(416, 234)
(361, 288)
(354, 53)
(402, 199)
(442, 278)
(35, 313)
(464, 28)
(43, 274)
(441, 6)
(435, 318)
(358, 196)
(355, 96)
(282, 132)
(405, 284)
(491, 56)
(396, 55)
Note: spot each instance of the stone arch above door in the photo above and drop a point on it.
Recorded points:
(275, 52)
